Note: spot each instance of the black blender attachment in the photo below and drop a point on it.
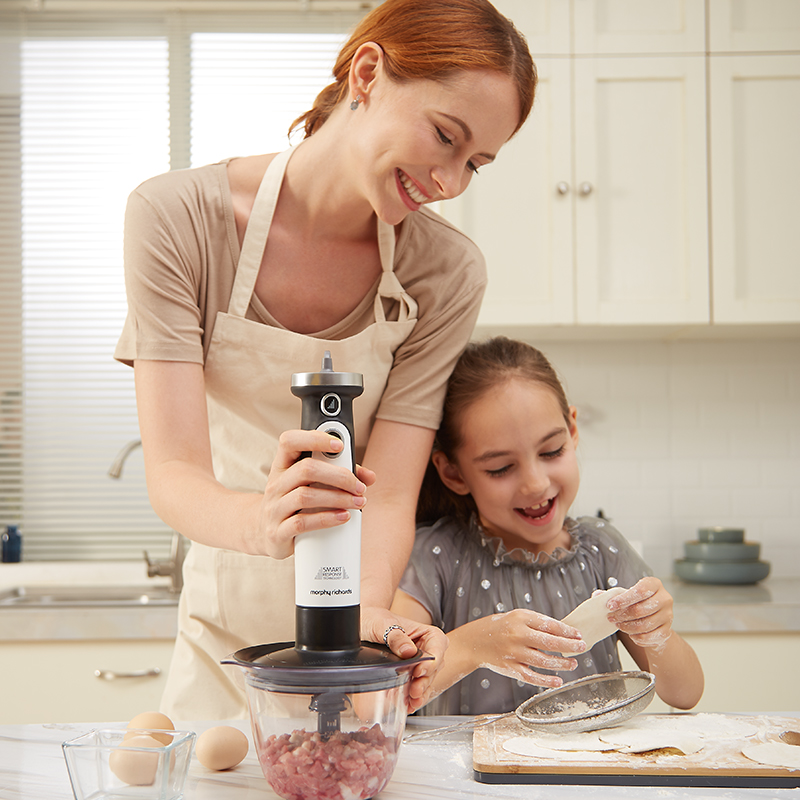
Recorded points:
(328, 661)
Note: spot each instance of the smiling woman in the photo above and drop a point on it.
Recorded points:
(243, 272)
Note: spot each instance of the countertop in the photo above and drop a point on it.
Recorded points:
(771, 606)
(32, 767)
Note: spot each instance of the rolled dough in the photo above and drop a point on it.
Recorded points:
(776, 754)
(526, 746)
(591, 619)
(638, 740)
(588, 740)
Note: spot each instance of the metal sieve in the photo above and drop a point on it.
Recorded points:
(586, 704)
(590, 703)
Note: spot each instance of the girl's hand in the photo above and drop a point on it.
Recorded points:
(513, 643)
(304, 494)
(644, 612)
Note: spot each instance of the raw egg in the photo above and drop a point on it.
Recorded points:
(151, 721)
(135, 767)
(222, 747)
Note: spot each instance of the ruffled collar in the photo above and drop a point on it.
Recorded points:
(519, 555)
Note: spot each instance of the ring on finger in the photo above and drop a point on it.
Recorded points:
(389, 630)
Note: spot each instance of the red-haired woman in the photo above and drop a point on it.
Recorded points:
(243, 272)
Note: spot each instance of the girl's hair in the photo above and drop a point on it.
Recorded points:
(482, 366)
(432, 39)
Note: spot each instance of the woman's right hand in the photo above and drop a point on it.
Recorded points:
(304, 494)
(514, 644)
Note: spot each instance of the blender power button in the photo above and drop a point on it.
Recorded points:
(330, 405)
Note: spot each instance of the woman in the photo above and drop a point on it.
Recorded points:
(241, 273)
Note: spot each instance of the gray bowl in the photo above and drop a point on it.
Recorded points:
(720, 534)
(724, 572)
(722, 551)
(590, 703)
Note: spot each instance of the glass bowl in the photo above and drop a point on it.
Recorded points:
(324, 730)
(108, 765)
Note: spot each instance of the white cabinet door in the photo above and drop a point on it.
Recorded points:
(56, 682)
(514, 212)
(755, 175)
(641, 212)
(613, 27)
(754, 25)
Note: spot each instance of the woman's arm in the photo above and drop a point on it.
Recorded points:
(397, 454)
(643, 615)
(173, 423)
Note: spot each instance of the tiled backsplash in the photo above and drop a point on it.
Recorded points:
(681, 435)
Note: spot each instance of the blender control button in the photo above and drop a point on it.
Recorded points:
(333, 432)
(331, 405)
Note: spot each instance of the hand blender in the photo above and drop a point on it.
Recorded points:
(328, 562)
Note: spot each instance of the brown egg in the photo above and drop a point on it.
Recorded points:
(222, 747)
(154, 720)
(135, 767)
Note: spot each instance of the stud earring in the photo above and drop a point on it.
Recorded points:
(354, 104)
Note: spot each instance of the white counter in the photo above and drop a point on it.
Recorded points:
(32, 768)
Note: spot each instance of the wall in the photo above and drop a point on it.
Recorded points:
(681, 435)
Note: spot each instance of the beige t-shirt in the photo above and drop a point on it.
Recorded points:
(181, 251)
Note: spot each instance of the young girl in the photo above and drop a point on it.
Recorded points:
(497, 562)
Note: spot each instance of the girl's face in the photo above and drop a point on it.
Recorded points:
(518, 461)
(422, 141)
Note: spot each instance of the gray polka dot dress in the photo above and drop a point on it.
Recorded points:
(460, 574)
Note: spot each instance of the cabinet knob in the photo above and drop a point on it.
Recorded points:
(562, 187)
(110, 675)
(586, 188)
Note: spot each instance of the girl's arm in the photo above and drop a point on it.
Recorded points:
(644, 615)
(510, 644)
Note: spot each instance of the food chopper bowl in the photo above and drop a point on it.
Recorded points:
(326, 726)
(590, 703)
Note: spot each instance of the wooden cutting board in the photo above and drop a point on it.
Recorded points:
(720, 763)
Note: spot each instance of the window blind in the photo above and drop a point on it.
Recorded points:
(91, 104)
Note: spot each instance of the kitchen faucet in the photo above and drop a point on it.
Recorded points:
(115, 470)
(173, 567)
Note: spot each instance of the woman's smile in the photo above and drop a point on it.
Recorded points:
(409, 191)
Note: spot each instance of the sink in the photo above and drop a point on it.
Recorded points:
(92, 596)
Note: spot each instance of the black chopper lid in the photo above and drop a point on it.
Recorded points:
(281, 667)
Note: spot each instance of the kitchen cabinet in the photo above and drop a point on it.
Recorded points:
(737, 676)
(598, 212)
(754, 124)
(54, 681)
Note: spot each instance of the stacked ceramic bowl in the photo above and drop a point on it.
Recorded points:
(721, 555)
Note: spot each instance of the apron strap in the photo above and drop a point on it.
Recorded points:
(389, 285)
(255, 236)
(255, 240)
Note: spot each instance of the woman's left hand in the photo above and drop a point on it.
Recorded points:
(644, 612)
(405, 641)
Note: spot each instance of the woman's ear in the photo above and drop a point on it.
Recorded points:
(366, 66)
(449, 473)
(573, 425)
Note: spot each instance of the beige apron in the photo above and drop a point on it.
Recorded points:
(231, 600)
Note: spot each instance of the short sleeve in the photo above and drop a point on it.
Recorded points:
(425, 578)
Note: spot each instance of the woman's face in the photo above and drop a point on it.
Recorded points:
(518, 461)
(422, 141)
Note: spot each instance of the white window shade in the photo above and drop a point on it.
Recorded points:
(90, 106)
